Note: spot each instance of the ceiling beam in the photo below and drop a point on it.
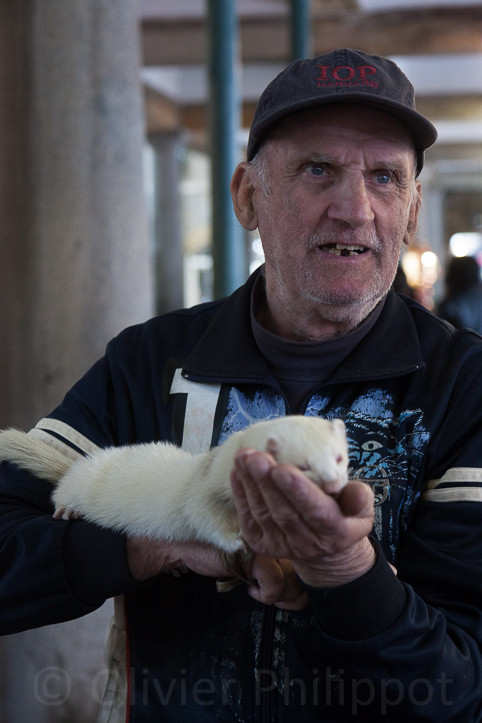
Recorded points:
(405, 32)
(429, 30)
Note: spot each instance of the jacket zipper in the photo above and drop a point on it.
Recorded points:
(266, 659)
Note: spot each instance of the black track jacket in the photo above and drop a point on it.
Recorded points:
(384, 647)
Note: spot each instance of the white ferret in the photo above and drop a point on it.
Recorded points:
(160, 491)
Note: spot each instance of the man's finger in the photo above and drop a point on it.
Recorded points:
(356, 499)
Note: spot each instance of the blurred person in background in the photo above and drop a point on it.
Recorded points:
(462, 304)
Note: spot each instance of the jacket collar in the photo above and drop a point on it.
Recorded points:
(391, 349)
(228, 352)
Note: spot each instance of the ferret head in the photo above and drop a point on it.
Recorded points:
(316, 446)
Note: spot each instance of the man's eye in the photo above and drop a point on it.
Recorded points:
(317, 170)
(383, 177)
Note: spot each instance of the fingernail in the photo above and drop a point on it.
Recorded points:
(258, 464)
(243, 453)
(281, 474)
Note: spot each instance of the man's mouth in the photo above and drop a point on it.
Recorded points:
(343, 249)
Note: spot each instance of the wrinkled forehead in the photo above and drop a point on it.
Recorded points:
(356, 120)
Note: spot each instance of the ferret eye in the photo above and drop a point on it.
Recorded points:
(304, 467)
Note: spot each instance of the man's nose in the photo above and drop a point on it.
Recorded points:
(351, 202)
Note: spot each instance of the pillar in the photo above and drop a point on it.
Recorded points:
(229, 251)
(168, 250)
(78, 265)
(74, 269)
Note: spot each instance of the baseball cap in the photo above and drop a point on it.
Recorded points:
(341, 76)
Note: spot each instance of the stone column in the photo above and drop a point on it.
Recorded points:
(13, 142)
(167, 223)
(78, 265)
(74, 268)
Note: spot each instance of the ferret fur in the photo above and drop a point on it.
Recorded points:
(160, 491)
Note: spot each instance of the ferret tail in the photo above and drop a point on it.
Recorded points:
(33, 455)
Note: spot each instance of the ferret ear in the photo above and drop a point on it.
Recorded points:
(273, 447)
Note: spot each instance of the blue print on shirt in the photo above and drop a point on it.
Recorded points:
(386, 450)
(244, 409)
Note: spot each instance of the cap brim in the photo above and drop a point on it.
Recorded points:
(423, 131)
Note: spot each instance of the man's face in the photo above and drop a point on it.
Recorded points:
(341, 201)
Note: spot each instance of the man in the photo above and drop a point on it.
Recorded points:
(362, 607)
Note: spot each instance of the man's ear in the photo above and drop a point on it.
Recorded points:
(413, 215)
(242, 190)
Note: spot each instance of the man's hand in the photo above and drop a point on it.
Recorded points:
(285, 515)
(274, 581)
(147, 558)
